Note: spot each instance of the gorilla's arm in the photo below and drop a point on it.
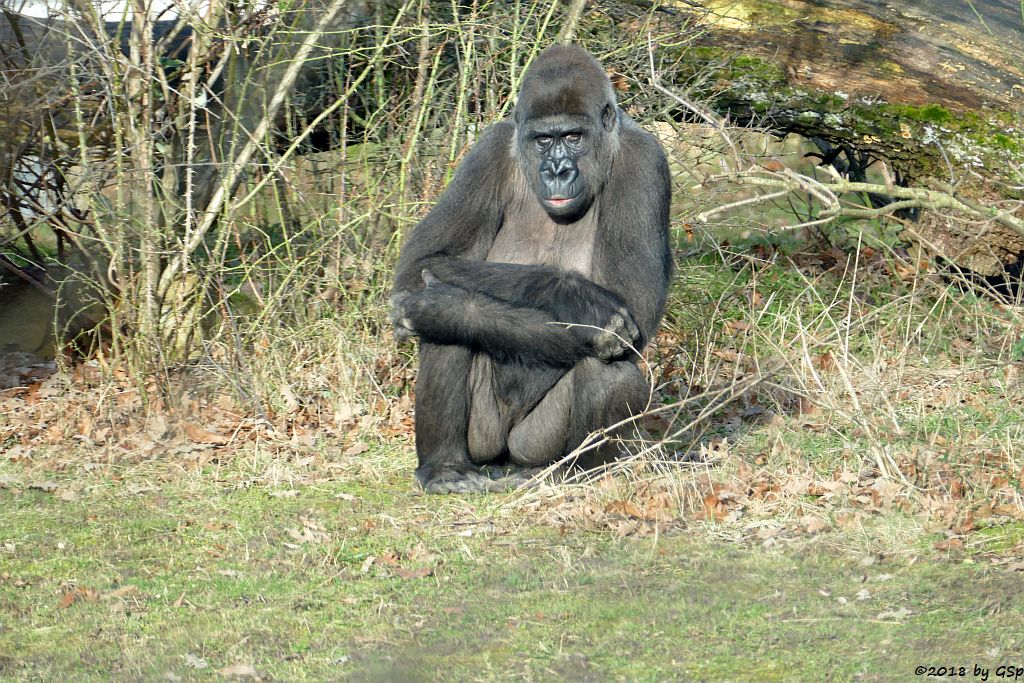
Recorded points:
(565, 295)
(444, 314)
(632, 254)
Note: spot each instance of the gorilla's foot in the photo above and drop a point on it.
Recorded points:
(515, 477)
(449, 479)
(466, 479)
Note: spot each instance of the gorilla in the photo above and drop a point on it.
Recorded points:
(535, 281)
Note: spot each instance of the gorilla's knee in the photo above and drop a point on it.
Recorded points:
(539, 438)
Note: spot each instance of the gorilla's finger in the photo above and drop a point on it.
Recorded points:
(429, 278)
(634, 331)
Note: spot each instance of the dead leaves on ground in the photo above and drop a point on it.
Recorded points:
(960, 484)
(114, 420)
(310, 531)
(770, 505)
(417, 563)
(79, 594)
(105, 414)
(199, 435)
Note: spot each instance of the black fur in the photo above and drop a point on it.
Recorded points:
(540, 272)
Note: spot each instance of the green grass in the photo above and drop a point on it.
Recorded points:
(211, 575)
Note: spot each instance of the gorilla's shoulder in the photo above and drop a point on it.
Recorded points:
(489, 159)
(632, 136)
(497, 133)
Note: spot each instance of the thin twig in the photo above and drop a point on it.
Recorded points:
(692, 107)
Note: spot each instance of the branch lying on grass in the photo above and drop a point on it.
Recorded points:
(937, 197)
(828, 193)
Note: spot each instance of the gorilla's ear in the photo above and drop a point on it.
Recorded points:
(608, 117)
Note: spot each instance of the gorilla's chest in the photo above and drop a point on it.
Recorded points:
(528, 236)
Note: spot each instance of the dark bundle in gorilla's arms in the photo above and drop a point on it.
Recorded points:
(546, 259)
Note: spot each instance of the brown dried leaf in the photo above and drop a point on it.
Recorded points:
(814, 524)
(623, 527)
(157, 427)
(85, 426)
(78, 594)
(661, 507)
(421, 554)
(728, 355)
(848, 477)
(806, 407)
(199, 435)
(419, 573)
(312, 531)
(713, 508)
(826, 361)
(389, 558)
(734, 327)
(625, 508)
(122, 592)
(1009, 511)
(357, 448)
(291, 402)
(966, 525)
(67, 600)
(884, 493)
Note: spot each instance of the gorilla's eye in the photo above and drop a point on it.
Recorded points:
(573, 137)
(543, 140)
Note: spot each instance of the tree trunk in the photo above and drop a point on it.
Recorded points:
(934, 87)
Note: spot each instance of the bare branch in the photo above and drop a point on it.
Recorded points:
(234, 172)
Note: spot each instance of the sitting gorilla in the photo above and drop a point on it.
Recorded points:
(536, 279)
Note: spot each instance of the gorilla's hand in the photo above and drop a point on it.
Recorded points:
(408, 307)
(399, 316)
(617, 338)
(596, 315)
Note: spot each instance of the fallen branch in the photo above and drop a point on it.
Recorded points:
(829, 193)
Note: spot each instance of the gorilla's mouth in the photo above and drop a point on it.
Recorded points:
(559, 201)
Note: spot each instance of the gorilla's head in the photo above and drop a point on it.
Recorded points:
(567, 130)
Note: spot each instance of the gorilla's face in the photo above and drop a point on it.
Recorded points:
(566, 158)
(557, 149)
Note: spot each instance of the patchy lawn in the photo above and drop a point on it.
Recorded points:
(205, 576)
